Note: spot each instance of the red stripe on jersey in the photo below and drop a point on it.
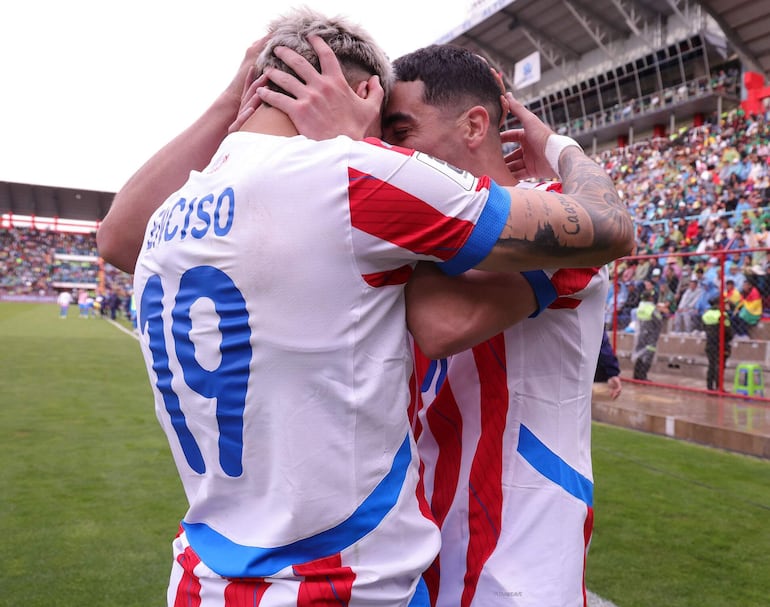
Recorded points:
(326, 582)
(446, 424)
(415, 404)
(188, 592)
(562, 303)
(485, 498)
(483, 183)
(571, 281)
(588, 528)
(245, 593)
(387, 146)
(431, 576)
(568, 282)
(421, 499)
(388, 213)
(399, 276)
(421, 366)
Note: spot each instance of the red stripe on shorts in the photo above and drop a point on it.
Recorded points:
(245, 593)
(188, 592)
(326, 582)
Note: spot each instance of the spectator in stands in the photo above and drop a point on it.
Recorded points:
(666, 300)
(670, 276)
(710, 281)
(652, 285)
(757, 239)
(719, 83)
(732, 297)
(686, 315)
(627, 311)
(734, 275)
(714, 322)
(758, 277)
(643, 270)
(608, 368)
(711, 273)
(749, 310)
(737, 243)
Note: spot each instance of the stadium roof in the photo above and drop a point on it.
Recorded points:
(746, 23)
(51, 202)
(565, 30)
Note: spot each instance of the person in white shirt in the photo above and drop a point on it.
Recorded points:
(63, 301)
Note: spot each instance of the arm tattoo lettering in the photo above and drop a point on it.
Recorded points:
(587, 216)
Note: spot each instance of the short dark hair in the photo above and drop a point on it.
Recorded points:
(452, 75)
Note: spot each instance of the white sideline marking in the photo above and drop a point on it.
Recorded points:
(122, 328)
(594, 600)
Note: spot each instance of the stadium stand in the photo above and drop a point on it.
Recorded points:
(668, 95)
(38, 263)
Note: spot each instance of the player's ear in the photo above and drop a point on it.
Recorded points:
(476, 125)
(362, 90)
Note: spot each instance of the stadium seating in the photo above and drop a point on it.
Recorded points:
(42, 262)
(698, 194)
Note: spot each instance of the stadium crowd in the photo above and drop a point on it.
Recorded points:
(701, 191)
(41, 263)
(697, 192)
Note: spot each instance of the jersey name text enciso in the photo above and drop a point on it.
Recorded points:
(194, 218)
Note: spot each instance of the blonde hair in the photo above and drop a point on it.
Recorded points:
(359, 55)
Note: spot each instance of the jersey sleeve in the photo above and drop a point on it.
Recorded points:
(407, 206)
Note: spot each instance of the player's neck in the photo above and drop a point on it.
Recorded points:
(270, 121)
(490, 162)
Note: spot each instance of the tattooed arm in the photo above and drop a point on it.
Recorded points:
(586, 225)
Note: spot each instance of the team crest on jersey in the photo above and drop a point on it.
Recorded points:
(462, 178)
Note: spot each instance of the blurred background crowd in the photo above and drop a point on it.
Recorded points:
(700, 199)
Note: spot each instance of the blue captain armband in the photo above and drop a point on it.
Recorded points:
(545, 292)
(485, 234)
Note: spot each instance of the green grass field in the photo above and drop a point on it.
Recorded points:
(89, 498)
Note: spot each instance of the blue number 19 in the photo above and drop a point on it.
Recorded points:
(227, 383)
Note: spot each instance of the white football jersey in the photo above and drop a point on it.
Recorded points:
(504, 434)
(270, 307)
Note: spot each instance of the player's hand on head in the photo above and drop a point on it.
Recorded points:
(242, 88)
(247, 70)
(529, 159)
(250, 101)
(322, 105)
